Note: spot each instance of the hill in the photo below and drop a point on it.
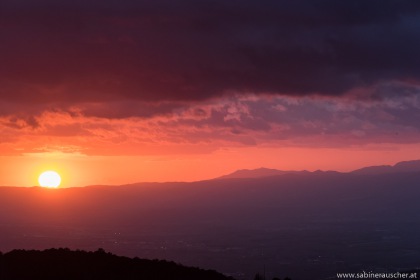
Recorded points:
(63, 264)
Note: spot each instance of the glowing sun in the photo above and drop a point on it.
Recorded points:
(49, 179)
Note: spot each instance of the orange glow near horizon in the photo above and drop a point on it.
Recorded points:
(117, 170)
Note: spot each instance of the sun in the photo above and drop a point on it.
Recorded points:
(49, 179)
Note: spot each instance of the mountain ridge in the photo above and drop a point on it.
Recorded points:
(403, 166)
(368, 218)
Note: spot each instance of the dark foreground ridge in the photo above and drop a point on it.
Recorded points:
(66, 264)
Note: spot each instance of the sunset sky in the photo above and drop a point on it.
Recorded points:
(113, 92)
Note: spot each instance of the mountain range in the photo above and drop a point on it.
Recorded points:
(404, 166)
(305, 225)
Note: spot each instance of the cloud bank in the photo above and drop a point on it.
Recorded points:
(96, 51)
(84, 76)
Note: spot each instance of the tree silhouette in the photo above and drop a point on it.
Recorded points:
(64, 264)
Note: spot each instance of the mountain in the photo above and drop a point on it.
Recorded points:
(307, 225)
(256, 173)
(65, 264)
(401, 167)
(405, 166)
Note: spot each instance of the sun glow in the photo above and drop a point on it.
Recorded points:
(49, 179)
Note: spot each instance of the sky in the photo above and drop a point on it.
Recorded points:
(112, 92)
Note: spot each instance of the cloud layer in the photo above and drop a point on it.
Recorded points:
(96, 51)
(241, 121)
(156, 77)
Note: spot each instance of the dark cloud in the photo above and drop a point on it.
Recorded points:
(98, 51)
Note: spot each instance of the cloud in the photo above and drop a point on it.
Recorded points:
(154, 77)
(207, 126)
(100, 51)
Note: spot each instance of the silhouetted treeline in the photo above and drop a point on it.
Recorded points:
(63, 264)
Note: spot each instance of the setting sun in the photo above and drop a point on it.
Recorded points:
(49, 179)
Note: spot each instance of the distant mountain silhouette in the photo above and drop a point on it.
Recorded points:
(63, 264)
(355, 220)
(257, 173)
(404, 166)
